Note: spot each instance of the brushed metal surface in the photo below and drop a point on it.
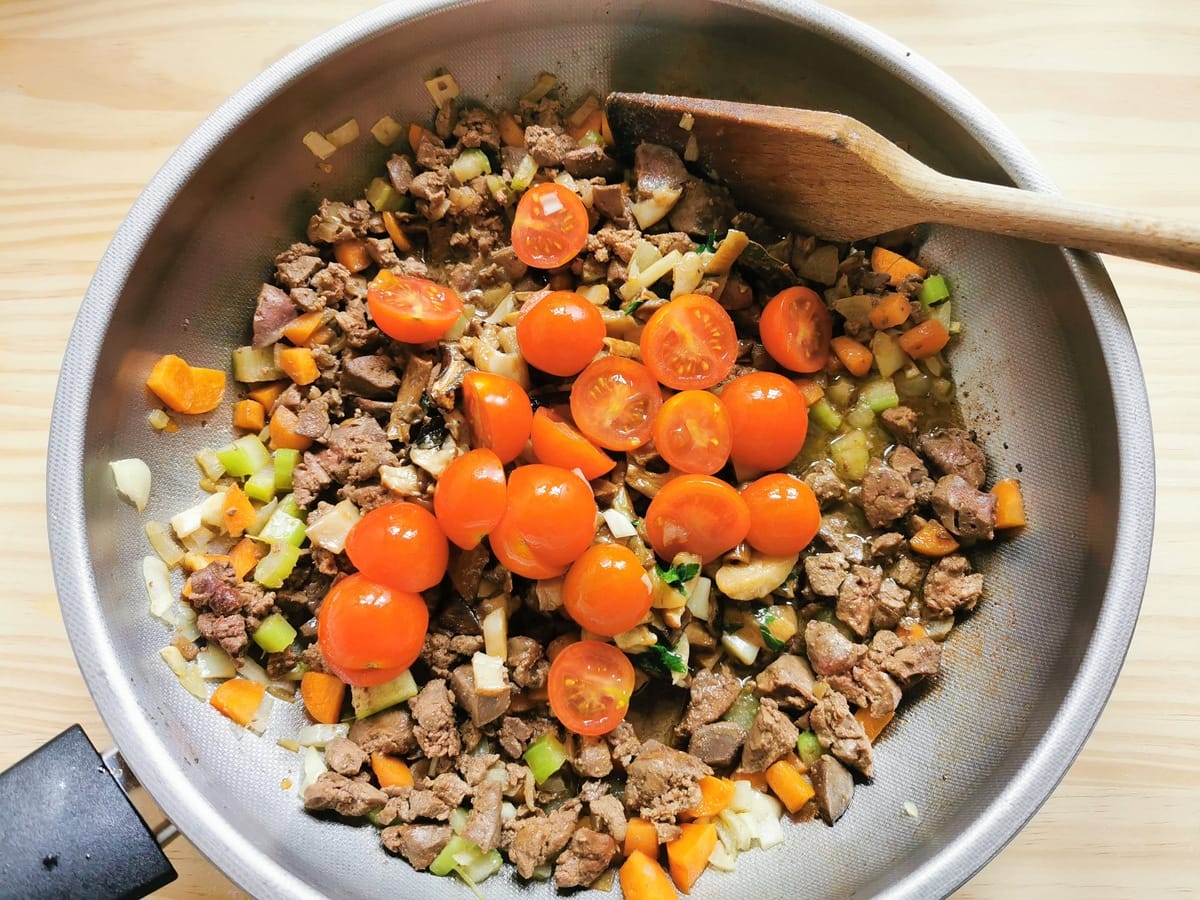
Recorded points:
(1047, 371)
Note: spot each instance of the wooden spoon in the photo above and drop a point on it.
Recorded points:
(829, 175)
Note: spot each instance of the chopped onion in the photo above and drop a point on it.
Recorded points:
(404, 481)
(198, 540)
(495, 632)
(619, 524)
(741, 649)
(248, 668)
(332, 529)
(215, 664)
(133, 480)
(320, 735)
(312, 768)
(586, 107)
(544, 85)
(187, 673)
(166, 548)
(508, 812)
(318, 146)
(344, 134)
(655, 207)
(158, 419)
(436, 461)
(443, 89)
(634, 286)
(691, 150)
(910, 810)
(263, 716)
(158, 588)
(699, 601)
(491, 677)
(386, 130)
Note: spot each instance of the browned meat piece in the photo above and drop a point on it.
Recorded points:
(887, 545)
(425, 804)
(657, 168)
(586, 858)
(703, 208)
(661, 782)
(481, 709)
(297, 264)
(969, 513)
(712, 693)
(359, 447)
(368, 376)
(483, 823)
(344, 757)
(390, 731)
(539, 839)
(900, 422)
(229, 632)
(466, 569)
(834, 786)
(335, 221)
(913, 661)
(438, 653)
(343, 795)
(858, 597)
(717, 743)
(908, 571)
(419, 844)
(450, 789)
(624, 743)
(313, 419)
(407, 408)
(436, 731)
(527, 662)
(216, 587)
(950, 586)
(609, 815)
(839, 533)
(867, 687)
(448, 376)
(908, 464)
(548, 145)
(609, 201)
(506, 258)
(592, 757)
(400, 171)
(273, 311)
(788, 681)
(824, 481)
(826, 572)
(841, 734)
(770, 737)
(828, 649)
(590, 162)
(307, 299)
(669, 241)
(382, 252)
(515, 735)
(886, 495)
(352, 320)
(892, 604)
(477, 128)
(953, 451)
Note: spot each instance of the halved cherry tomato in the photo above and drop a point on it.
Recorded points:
(796, 328)
(369, 633)
(769, 419)
(470, 497)
(590, 684)
(414, 310)
(550, 519)
(556, 442)
(614, 402)
(550, 226)
(690, 343)
(400, 545)
(498, 412)
(696, 514)
(561, 333)
(692, 432)
(606, 590)
(784, 514)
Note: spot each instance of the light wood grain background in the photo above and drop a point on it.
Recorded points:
(94, 96)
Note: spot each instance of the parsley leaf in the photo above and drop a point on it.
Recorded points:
(631, 306)
(659, 660)
(764, 615)
(710, 245)
(678, 576)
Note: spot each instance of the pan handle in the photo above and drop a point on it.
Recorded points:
(71, 830)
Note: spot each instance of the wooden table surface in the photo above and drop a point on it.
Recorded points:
(95, 95)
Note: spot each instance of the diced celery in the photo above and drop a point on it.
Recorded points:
(285, 464)
(526, 170)
(592, 138)
(841, 392)
(264, 516)
(274, 634)
(245, 456)
(743, 711)
(382, 196)
(545, 756)
(288, 504)
(850, 453)
(481, 867)
(274, 568)
(862, 416)
(445, 862)
(880, 395)
(470, 164)
(283, 529)
(808, 747)
(934, 291)
(369, 700)
(261, 485)
(252, 365)
(825, 415)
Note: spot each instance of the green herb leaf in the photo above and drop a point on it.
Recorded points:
(678, 576)
(710, 245)
(659, 660)
(631, 306)
(764, 616)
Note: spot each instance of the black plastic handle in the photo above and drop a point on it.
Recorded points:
(69, 830)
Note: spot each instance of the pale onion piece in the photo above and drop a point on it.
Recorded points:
(320, 735)
(691, 150)
(209, 463)
(654, 208)
(636, 639)
(262, 717)
(185, 622)
(133, 480)
(443, 89)
(605, 881)
(721, 859)
(770, 833)
(174, 659)
(738, 827)
(756, 578)
(743, 796)
(644, 256)
(730, 248)
(939, 629)
(586, 107)
(332, 529)
(344, 134)
(502, 309)
(508, 812)
(644, 279)
(458, 819)
(188, 674)
(765, 811)
(820, 689)
(910, 810)
(699, 602)
(404, 481)
(497, 773)
(288, 744)
(495, 632)
(683, 648)
(741, 649)
(386, 130)
(312, 767)
(318, 145)
(215, 664)
(163, 544)
(158, 588)
(619, 524)
(248, 668)
(491, 677)
(686, 121)
(158, 419)
(564, 178)
(545, 84)
(687, 275)
(435, 462)
(596, 294)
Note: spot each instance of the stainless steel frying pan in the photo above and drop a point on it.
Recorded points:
(1048, 373)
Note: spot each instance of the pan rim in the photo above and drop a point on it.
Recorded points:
(258, 873)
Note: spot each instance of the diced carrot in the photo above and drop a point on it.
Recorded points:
(896, 266)
(301, 328)
(172, 382)
(925, 339)
(640, 834)
(283, 431)
(853, 355)
(642, 878)
(194, 562)
(267, 394)
(237, 513)
(298, 364)
(249, 414)
(890, 311)
(244, 556)
(417, 134)
(208, 390)
(1010, 504)
(911, 631)
(238, 699)
(322, 695)
(790, 785)
(391, 771)
(511, 133)
(593, 122)
(872, 725)
(757, 780)
(396, 233)
(688, 854)
(933, 540)
(810, 389)
(352, 254)
(715, 794)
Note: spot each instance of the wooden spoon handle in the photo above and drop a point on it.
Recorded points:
(1051, 219)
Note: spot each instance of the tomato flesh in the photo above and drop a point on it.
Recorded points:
(690, 343)
(400, 545)
(769, 419)
(549, 520)
(470, 497)
(498, 412)
(550, 226)
(557, 442)
(692, 432)
(696, 514)
(561, 333)
(614, 402)
(590, 684)
(784, 514)
(796, 329)
(606, 590)
(413, 310)
(369, 633)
